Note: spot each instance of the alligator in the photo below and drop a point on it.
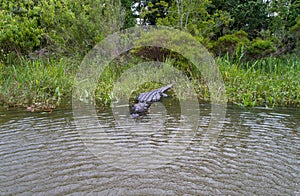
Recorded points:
(144, 100)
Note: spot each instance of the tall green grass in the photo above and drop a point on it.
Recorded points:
(133, 77)
(268, 82)
(45, 81)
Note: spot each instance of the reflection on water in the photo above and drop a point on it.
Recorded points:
(257, 152)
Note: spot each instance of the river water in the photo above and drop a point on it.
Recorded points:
(256, 152)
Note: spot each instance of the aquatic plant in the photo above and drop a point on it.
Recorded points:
(265, 82)
(36, 81)
(268, 82)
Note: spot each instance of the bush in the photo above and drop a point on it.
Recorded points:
(62, 26)
(230, 43)
(261, 48)
(20, 29)
(295, 31)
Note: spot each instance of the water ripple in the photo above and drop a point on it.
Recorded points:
(257, 153)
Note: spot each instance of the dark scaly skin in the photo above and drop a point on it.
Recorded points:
(146, 99)
(140, 107)
(154, 95)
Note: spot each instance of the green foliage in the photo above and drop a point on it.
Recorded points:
(246, 34)
(182, 43)
(295, 31)
(249, 16)
(111, 76)
(20, 30)
(61, 26)
(193, 17)
(149, 11)
(129, 16)
(282, 16)
(254, 17)
(296, 28)
(269, 82)
(261, 48)
(68, 26)
(39, 81)
(230, 43)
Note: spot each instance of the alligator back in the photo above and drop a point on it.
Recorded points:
(154, 95)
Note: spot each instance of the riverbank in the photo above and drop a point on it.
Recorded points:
(36, 84)
(270, 82)
(44, 83)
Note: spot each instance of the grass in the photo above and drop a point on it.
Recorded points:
(27, 82)
(131, 78)
(269, 82)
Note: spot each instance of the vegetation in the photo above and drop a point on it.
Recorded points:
(256, 45)
(37, 82)
(267, 82)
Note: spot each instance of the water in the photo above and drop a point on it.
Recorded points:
(257, 152)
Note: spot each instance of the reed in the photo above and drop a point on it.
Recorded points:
(24, 81)
(268, 82)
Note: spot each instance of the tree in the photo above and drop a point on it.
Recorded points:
(63, 26)
(295, 32)
(193, 16)
(283, 16)
(150, 10)
(250, 16)
(130, 16)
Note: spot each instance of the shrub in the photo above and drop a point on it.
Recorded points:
(20, 28)
(61, 26)
(230, 43)
(295, 31)
(261, 48)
